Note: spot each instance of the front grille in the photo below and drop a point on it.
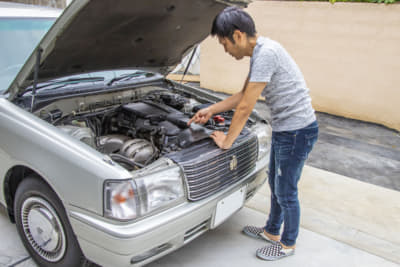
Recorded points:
(250, 193)
(212, 171)
(195, 231)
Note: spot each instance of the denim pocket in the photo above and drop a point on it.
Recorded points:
(285, 137)
(311, 139)
(305, 143)
(283, 144)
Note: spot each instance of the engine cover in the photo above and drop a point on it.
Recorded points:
(139, 150)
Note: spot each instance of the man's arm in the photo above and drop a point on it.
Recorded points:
(229, 103)
(243, 110)
(203, 115)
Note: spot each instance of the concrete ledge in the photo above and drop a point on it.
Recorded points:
(357, 213)
(187, 78)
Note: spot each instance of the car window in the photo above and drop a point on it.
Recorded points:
(19, 36)
(72, 82)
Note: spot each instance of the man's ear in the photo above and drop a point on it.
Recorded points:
(238, 36)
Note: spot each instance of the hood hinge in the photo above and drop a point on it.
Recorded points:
(36, 75)
(190, 62)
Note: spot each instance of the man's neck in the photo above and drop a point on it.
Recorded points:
(252, 42)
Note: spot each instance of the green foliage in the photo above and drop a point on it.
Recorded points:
(364, 1)
(367, 1)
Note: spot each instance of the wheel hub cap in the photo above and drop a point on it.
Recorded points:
(43, 229)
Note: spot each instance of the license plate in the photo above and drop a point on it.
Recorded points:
(227, 206)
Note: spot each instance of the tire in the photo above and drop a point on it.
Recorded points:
(44, 227)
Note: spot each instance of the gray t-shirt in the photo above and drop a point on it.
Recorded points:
(286, 93)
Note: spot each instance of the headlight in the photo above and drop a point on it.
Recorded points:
(159, 189)
(126, 200)
(263, 133)
(120, 200)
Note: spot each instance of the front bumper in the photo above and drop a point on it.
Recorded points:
(141, 242)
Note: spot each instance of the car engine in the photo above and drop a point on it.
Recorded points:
(137, 133)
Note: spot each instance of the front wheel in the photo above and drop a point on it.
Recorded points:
(43, 225)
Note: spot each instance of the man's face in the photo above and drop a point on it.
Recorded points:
(234, 49)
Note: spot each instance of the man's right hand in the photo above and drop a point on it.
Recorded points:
(201, 116)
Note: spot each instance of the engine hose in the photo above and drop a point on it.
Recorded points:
(123, 159)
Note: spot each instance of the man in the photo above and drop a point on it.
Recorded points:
(275, 75)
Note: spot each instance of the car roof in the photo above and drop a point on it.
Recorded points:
(16, 10)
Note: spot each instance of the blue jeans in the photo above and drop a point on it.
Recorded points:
(289, 151)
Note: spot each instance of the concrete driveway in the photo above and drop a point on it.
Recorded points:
(225, 246)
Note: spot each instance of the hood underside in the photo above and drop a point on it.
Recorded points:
(102, 35)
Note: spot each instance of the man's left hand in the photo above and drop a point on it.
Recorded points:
(220, 139)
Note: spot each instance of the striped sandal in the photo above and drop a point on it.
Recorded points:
(257, 232)
(274, 252)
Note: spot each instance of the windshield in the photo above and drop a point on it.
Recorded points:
(106, 77)
(19, 36)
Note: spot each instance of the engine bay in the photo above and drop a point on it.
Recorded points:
(137, 133)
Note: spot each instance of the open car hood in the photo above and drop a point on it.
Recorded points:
(95, 35)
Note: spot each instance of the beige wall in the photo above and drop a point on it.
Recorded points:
(349, 54)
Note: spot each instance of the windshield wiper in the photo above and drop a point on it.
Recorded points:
(62, 83)
(129, 76)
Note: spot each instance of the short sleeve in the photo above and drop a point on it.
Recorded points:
(263, 65)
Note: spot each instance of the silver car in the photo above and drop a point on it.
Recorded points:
(96, 159)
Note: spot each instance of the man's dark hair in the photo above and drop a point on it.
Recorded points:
(231, 19)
